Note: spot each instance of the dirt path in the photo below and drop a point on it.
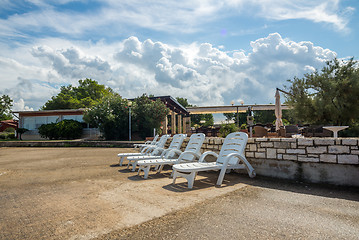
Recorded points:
(265, 209)
(81, 193)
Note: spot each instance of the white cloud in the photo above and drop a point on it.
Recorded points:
(203, 74)
(20, 106)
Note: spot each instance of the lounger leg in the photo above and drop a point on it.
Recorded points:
(221, 176)
(134, 163)
(146, 170)
(174, 176)
(160, 168)
(121, 160)
(190, 178)
(139, 170)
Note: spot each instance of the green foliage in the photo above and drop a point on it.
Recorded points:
(242, 117)
(88, 93)
(9, 130)
(264, 116)
(327, 97)
(227, 129)
(183, 102)
(352, 131)
(7, 135)
(147, 115)
(21, 131)
(66, 129)
(111, 116)
(5, 107)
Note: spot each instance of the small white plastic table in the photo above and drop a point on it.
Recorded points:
(335, 129)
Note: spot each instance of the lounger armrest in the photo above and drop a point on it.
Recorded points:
(146, 149)
(204, 155)
(158, 151)
(241, 158)
(185, 153)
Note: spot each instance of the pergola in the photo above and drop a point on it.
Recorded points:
(180, 116)
(232, 108)
(183, 124)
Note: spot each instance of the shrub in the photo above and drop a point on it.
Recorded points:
(7, 135)
(227, 129)
(66, 129)
(9, 130)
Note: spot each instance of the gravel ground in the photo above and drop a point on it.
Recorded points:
(81, 193)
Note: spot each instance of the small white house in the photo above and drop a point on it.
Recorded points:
(32, 120)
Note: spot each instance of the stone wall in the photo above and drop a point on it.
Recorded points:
(320, 160)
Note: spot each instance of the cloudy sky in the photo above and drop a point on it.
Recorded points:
(210, 52)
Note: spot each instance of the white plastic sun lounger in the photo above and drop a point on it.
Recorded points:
(190, 154)
(145, 151)
(231, 156)
(147, 143)
(175, 145)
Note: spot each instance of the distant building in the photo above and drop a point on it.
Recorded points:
(32, 120)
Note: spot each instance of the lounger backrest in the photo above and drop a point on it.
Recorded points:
(233, 143)
(154, 140)
(177, 141)
(161, 143)
(194, 145)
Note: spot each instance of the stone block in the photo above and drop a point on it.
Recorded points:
(338, 141)
(280, 156)
(293, 145)
(295, 151)
(308, 159)
(281, 144)
(250, 140)
(290, 157)
(249, 154)
(312, 155)
(261, 150)
(260, 154)
(354, 148)
(305, 142)
(323, 141)
(271, 153)
(356, 152)
(338, 149)
(291, 140)
(274, 139)
(253, 147)
(267, 144)
(262, 139)
(349, 141)
(317, 150)
(279, 150)
(348, 159)
(328, 158)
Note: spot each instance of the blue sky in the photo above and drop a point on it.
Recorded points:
(210, 52)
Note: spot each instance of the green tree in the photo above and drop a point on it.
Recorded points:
(329, 96)
(147, 115)
(242, 117)
(66, 129)
(88, 93)
(111, 116)
(5, 107)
